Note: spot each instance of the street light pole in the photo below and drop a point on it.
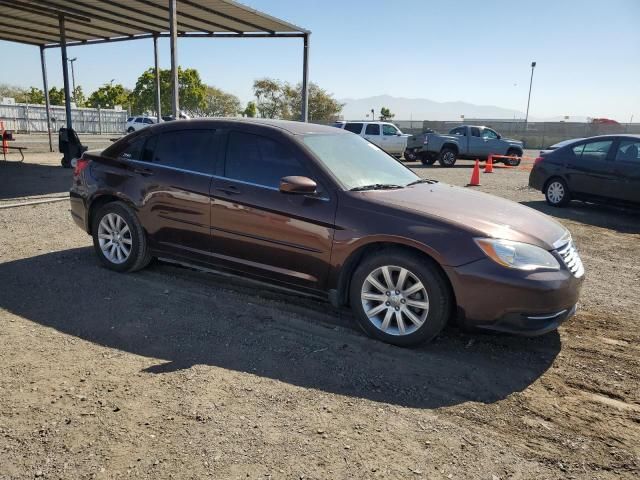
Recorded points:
(73, 77)
(526, 119)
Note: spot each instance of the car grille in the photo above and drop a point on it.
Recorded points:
(571, 259)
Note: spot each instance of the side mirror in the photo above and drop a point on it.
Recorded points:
(499, 137)
(296, 184)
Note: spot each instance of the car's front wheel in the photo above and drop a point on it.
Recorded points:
(557, 192)
(400, 298)
(119, 239)
(131, 129)
(514, 159)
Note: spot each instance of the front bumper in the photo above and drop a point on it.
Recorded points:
(492, 297)
(531, 325)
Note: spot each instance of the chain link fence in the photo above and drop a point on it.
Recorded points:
(26, 118)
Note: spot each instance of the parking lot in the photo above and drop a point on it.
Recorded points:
(171, 372)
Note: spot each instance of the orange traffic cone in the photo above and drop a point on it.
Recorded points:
(488, 167)
(475, 176)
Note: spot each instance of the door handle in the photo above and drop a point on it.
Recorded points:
(229, 190)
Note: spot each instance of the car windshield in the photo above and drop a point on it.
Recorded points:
(356, 163)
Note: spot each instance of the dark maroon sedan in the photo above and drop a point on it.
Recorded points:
(323, 211)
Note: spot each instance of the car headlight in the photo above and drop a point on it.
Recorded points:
(521, 256)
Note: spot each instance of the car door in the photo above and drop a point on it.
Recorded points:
(372, 132)
(626, 170)
(259, 230)
(178, 166)
(589, 168)
(392, 141)
(476, 144)
(491, 143)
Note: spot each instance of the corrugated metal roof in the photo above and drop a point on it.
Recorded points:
(88, 21)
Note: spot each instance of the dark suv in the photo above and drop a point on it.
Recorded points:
(325, 212)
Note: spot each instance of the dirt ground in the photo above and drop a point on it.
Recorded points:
(173, 373)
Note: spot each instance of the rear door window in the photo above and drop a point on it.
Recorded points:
(372, 129)
(629, 151)
(596, 151)
(260, 160)
(475, 132)
(184, 149)
(354, 127)
(132, 151)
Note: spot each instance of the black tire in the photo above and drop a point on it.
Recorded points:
(513, 162)
(428, 158)
(438, 293)
(139, 254)
(557, 193)
(410, 156)
(447, 157)
(131, 129)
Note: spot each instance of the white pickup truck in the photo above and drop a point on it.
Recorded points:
(383, 134)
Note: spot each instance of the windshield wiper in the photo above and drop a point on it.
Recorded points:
(423, 180)
(376, 186)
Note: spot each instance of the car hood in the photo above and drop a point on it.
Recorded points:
(480, 213)
(512, 140)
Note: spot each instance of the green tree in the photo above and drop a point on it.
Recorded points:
(35, 96)
(78, 97)
(251, 110)
(191, 91)
(56, 96)
(323, 107)
(109, 95)
(385, 114)
(218, 104)
(271, 100)
(11, 91)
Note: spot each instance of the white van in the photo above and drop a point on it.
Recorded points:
(384, 134)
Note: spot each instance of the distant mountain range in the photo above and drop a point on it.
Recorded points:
(425, 109)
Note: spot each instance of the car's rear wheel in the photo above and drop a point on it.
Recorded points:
(557, 192)
(447, 157)
(410, 155)
(119, 239)
(400, 298)
(515, 155)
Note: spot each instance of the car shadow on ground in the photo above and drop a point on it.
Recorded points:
(620, 219)
(182, 318)
(28, 179)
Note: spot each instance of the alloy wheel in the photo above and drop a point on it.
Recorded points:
(555, 192)
(448, 158)
(114, 236)
(395, 300)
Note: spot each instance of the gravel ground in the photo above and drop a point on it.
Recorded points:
(172, 373)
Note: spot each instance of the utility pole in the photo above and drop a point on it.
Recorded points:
(526, 119)
(73, 78)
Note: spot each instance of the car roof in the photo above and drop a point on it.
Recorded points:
(292, 127)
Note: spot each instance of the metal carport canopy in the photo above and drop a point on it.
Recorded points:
(61, 23)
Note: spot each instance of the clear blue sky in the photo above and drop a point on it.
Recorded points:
(588, 54)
